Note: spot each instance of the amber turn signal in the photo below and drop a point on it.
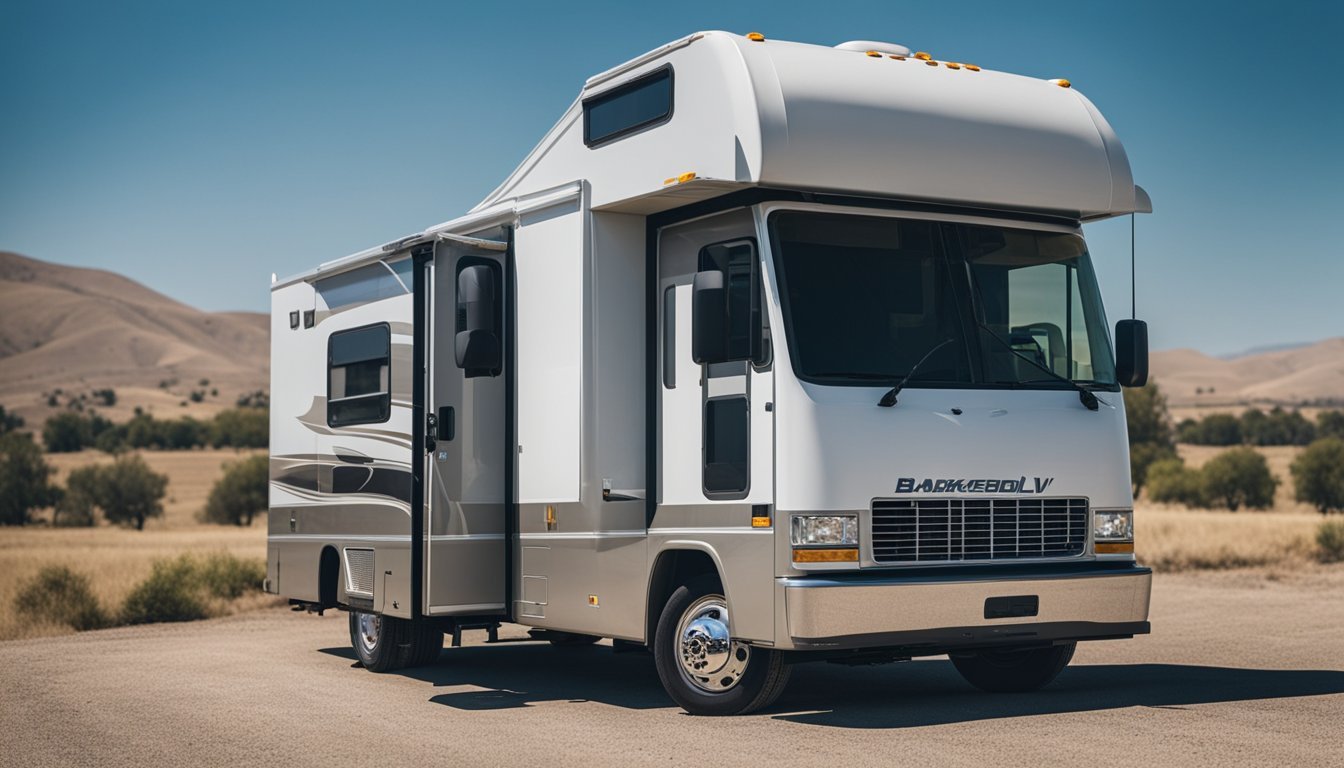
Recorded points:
(1114, 548)
(825, 555)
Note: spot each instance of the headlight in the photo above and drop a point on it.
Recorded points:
(1113, 525)
(825, 530)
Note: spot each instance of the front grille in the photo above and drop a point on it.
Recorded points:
(947, 530)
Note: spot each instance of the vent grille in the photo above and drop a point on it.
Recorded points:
(951, 530)
(359, 572)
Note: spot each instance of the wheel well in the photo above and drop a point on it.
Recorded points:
(328, 577)
(674, 568)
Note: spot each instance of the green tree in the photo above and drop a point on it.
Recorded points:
(1146, 416)
(129, 492)
(1171, 482)
(1328, 424)
(241, 428)
(9, 422)
(1142, 457)
(1318, 475)
(1239, 477)
(1214, 429)
(66, 432)
(24, 479)
(240, 494)
(80, 499)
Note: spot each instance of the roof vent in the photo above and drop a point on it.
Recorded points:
(873, 45)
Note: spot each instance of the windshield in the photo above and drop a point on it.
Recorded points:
(865, 298)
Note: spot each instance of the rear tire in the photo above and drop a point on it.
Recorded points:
(1014, 670)
(701, 667)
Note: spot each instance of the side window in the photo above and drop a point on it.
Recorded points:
(359, 369)
(737, 261)
(625, 109)
(727, 438)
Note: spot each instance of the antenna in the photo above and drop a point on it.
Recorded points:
(1133, 291)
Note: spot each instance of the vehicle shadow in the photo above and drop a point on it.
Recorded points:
(906, 695)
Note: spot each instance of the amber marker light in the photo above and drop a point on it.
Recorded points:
(922, 56)
(873, 54)
(972, 67)
(931, 63)
(1062, 83)
(760, 522)
(826, 555)
(756, 37)
(685, 177)
(898, 58)
(1114, 548)
(952, 65)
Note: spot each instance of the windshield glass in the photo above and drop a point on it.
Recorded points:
(866, 297)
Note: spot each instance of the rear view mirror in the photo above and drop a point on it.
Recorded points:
(1131, 353)
(709, 318)
(479, 352)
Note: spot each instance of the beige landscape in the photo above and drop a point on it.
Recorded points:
(79, 330)
(1309, 373)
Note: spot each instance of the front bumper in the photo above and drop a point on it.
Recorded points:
(932, 611)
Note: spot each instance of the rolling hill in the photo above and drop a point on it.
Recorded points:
(78, 330)
(1285, 376)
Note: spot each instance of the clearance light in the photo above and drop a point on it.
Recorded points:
(972, 67)
(756, 37)
(685, 177)
(952, 65)
(1062, 83)
(760, 521)
(898, 58)
(931, 63)
(825, 555)
(873, 54)
(922, 56)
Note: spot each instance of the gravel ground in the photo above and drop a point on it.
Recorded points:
(1243, 668)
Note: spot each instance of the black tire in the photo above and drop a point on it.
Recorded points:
(375, 640)
(760, 684)
(1014, 670)
(396, 643)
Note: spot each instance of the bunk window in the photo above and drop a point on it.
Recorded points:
(625, 109)
(359, 369)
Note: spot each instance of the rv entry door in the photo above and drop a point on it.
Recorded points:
(465, 436)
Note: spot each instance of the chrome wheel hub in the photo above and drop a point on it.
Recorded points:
(709, 658)
(370, 626)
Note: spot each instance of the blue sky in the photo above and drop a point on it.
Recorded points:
(199, 148)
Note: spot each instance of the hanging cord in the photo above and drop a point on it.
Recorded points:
(1133, 292)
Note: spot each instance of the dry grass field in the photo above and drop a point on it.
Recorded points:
(116, 559)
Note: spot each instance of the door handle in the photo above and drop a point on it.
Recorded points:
(440, 426)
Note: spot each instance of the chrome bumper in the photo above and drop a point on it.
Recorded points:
(931, 611)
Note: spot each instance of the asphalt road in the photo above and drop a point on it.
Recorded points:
(1241, 670)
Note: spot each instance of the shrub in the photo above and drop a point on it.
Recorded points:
(1171, 482)
(1318, 474)
(107, 397)
(1141, 459)
(1215, 429)
(1239, 477)
(240, 494)
(170, 593)
(197, 395)
(1278, 427)
(1330, 540)
(254, 399)
(61, 596)
(24, 479)
(129, 492)
(1146, 416)
(225, 576)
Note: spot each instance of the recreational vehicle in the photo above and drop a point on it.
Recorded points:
(767, 353)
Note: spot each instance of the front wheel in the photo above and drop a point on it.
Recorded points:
(1014, 670)
(385, 643)
(702, 668)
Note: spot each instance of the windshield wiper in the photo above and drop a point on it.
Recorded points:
(889, 399)
(1084, 394)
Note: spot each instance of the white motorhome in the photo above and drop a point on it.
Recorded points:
(769, 352)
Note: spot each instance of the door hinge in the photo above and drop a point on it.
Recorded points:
(431, 432)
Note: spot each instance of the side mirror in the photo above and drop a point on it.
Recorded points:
(1131, 353)
(709, 318)
(479, 351)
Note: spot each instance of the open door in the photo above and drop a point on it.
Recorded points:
(466, 447)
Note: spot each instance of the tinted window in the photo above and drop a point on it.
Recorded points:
(737, 261)
(726, 433)
(628, 108)
(359, 366)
